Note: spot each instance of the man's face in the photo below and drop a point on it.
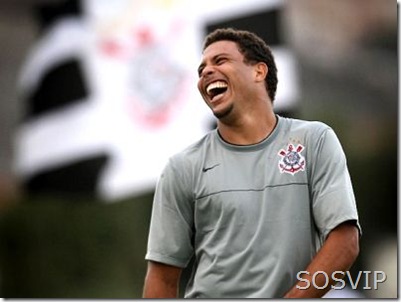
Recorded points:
(224, 79)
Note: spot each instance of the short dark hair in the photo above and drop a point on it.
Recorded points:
(254, 50)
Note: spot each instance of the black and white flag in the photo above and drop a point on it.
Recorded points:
(110, 89)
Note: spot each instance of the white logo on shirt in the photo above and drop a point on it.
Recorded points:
(291, 160)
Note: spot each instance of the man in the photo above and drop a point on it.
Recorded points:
(256, 201)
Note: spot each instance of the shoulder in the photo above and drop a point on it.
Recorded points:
(309, 132)
(298, 125)
(194, 153)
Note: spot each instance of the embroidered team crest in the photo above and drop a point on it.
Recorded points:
(292, 160)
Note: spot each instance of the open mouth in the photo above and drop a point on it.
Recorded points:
(216, 88)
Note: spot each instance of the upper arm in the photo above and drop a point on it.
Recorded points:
(166, 272)
(346, 234)
(162, 280)
(171, 226)
(333, 200)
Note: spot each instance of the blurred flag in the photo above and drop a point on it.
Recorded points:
(110, 89)
(58, 149)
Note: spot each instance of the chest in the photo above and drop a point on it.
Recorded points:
(249, 189)
(250, 171)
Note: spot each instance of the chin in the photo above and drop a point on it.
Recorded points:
(224, 112)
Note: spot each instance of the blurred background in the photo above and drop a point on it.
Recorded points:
(96, 95)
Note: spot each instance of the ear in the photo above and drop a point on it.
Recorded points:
(261, 70)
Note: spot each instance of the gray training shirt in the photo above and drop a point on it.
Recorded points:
(253, 216)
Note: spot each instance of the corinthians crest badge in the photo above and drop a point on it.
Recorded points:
(291, 160)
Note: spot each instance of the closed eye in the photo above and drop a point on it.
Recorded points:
(218, 60)
(221, 60)
(200, 69)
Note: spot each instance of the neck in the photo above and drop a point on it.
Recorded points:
(248, 131)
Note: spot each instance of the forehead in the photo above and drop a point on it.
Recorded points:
(221, 47)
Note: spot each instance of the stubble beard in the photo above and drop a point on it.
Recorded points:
(225, 113)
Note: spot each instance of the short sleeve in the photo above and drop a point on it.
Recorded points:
(333, 200)
(171, 227)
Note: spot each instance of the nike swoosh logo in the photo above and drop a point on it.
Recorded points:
(209, 168)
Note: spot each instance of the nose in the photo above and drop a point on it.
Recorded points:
(207, 70)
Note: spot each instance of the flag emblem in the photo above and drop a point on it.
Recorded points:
(291, 160)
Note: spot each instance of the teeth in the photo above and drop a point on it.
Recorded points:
(214, 85)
